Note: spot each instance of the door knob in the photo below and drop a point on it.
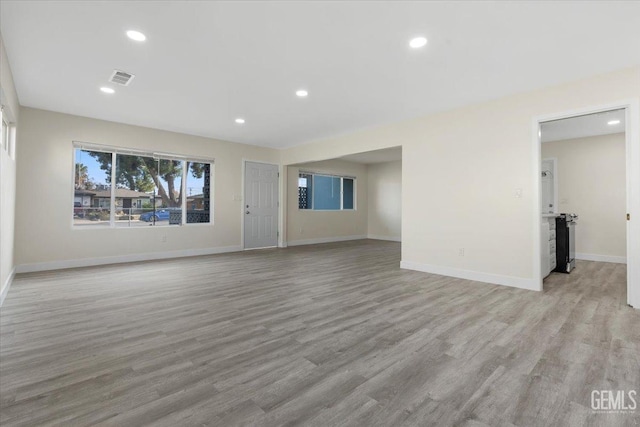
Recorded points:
(248, 212)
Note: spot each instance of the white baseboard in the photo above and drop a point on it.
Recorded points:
(7, 285)
(120, 259)
(496, 279)
(379, 237)
(602, 258)
(324, 240)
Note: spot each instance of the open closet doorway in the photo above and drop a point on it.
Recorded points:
(589, 181)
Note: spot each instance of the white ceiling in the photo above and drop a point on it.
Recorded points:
(583, 126)
(206, 63)
(377, 156)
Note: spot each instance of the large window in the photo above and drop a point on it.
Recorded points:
(148, 188)
(325, 192)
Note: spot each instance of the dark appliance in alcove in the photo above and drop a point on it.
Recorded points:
(566, 242)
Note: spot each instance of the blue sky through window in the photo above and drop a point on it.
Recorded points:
(95, 174)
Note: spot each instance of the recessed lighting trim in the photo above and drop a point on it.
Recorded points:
(613, 122)
(301, 93)
(240, 121)
(136, 35)
(418, 42)
(107, 90)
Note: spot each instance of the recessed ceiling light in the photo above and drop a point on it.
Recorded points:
(240, 121)
(302, 93)
(107, 90)
(136, 35)
(418, 42)
(613, 122)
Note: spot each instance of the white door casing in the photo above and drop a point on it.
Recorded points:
(260, 205)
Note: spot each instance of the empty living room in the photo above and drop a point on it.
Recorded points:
(320, 213)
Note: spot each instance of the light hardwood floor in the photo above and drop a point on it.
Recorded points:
(323, 335)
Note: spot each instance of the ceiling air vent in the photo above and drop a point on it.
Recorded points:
(121, 77)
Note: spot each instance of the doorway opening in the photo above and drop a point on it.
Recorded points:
(587, 176)
(352, 197)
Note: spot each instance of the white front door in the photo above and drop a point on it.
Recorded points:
(260, 205)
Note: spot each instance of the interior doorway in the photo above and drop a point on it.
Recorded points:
(588, 165)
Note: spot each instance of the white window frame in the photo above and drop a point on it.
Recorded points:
(77, 145)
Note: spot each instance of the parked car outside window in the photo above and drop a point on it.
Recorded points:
(161, 215)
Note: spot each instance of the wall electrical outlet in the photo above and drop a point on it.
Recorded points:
(461, 253)
(518, 193)
(164, 238)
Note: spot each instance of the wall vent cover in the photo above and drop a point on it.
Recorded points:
(121, 77)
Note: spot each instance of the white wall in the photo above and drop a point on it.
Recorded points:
(384, 182)
(9, 100)
(592, 182)
(44, 236)
(463, 169)
(309, 226)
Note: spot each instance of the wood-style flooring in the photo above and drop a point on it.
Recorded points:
(323, 335)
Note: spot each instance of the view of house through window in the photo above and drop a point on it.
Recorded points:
(147, 190)
(325, 192)
(92, 188)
